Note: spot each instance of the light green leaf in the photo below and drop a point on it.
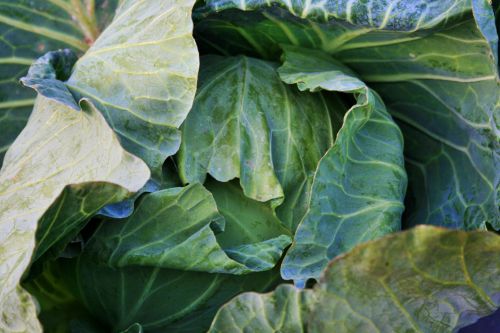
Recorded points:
(427, 279)
(284, 310)
(171, 225)
(58, 147)
(440, 84)
(141, 74)
(78, 202)
(247, 124)
(28, 29)
(360, 183)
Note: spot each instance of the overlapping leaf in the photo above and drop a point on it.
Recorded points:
(435, 64)
(28, 29)
(76, 204)
(100, 298)
(378, 14)
(247, 221)
(440, 84)
(424, 280)
(444, 92)
(171, 225)
(160, 300)
(247, 124)
(178, 227)
(359, 186)
(59, 147)
(141, 74)
(70, 212)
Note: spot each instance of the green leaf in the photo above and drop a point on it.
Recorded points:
(46, 74)
(58, 147)
(135, 328)
(427, 279)
(69, 213)
(444, 92)
(484, 14)
(439, 83)
(285, 310)
(59, 310)
(360, 183)
(171, 225)
(327, 25)
(77, 203)
(247, 124)
(379, 14)
(252, 232)
(160, 300)
(247, 221)
(496, 9)
(141, 74)
(28, 29)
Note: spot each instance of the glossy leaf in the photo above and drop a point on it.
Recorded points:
(28, 29)
(247, 124)
(423, 280)
(141, 74)
(169, 226)
(58, 147)
(360, 183)
(440, 84)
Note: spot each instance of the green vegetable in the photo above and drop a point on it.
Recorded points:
(248, 124)
(160, 158)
